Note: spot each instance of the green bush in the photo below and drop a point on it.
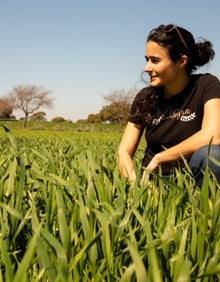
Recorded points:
(58, 119)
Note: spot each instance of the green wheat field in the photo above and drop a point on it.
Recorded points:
(67, 215)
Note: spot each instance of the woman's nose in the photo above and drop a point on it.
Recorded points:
(148, 67)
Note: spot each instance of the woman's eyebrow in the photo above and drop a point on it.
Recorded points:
(152, 57)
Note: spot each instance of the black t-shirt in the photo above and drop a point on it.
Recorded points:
(178, 117)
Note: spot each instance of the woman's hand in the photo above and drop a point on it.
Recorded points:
(154, 163)
(148, 183)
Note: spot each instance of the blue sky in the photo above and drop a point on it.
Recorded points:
(83, 49)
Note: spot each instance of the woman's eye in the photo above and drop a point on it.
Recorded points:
(155, 61)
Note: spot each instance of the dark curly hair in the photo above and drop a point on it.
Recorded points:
(177, 41)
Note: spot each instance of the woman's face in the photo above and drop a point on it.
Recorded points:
(161, 69)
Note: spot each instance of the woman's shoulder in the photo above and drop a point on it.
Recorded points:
(205, 77)
(144, 92)
(207, 86)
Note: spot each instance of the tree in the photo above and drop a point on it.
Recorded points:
(38, 116)
(29, 98)
(6, 108)
(115, 113)
(94, 118)
(120, 95)
(120, 101)
(58, 119)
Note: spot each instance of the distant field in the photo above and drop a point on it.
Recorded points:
(62, 126)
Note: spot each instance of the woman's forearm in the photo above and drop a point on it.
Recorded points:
(126, 166)
(127, 149)
(184, 149)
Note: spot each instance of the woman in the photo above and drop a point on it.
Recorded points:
(179, 111)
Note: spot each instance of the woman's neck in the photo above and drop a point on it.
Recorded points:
(177, 87)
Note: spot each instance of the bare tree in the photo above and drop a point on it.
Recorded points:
(120, 101)
(29, 98)
(121, 95)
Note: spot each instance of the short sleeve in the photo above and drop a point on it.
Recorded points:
(136, 107)
(211, 87)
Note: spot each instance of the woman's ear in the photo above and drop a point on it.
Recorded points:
(182, 61)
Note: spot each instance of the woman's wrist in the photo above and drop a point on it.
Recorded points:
(157, 159)
(154, 163)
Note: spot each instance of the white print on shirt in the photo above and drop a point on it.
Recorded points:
(182, 115)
